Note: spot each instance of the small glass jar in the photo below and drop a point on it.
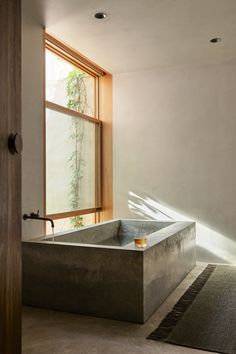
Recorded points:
(140, 241)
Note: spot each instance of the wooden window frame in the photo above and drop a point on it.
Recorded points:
(75, 58)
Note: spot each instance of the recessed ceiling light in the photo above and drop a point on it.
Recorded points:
(101, 15)
(216, 40)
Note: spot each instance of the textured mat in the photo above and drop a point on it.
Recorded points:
(205, 316)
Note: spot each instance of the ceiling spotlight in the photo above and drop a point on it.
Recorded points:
(216, 40)
(101, 15)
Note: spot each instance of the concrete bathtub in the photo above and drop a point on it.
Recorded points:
(98, 271)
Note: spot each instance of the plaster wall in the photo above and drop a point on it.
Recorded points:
(174, 146)
(32, 123)
(174, 151)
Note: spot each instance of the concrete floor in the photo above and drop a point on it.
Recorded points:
(63, 333)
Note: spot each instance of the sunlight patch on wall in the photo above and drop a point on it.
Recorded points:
(210, 243)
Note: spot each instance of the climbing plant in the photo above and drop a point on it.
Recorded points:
(77, 100)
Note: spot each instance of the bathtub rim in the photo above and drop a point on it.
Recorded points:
(153, 239)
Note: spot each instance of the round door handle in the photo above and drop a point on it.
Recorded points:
(15, 143)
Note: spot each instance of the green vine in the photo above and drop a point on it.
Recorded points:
(77, 100)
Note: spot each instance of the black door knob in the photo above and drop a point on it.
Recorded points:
(15, 143)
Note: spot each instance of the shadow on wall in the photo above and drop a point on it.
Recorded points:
(211, 245)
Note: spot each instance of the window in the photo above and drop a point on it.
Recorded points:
(72, 136)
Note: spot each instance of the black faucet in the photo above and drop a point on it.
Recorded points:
(37, 217)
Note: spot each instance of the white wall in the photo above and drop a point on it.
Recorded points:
(174, 145)
(175, 148)
(32, 123)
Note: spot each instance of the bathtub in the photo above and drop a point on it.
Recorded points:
(98, 270)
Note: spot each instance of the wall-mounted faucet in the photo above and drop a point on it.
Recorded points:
(36, 216)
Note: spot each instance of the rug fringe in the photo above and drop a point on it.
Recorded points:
(172, 318)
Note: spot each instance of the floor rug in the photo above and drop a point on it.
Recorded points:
(205, 316)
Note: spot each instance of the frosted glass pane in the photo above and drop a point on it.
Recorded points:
(68, 85)
(70, 163)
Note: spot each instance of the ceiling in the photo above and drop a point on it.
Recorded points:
(142, 34)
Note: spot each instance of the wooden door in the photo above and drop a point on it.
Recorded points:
(10, 178)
